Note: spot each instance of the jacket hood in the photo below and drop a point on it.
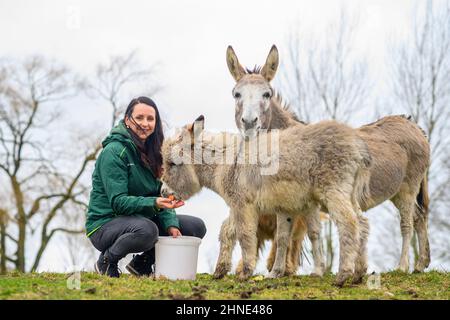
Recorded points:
(121, 134)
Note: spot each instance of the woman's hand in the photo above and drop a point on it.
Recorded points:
(174, 232)
(166, 203)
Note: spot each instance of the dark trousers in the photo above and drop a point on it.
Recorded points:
(130, 234)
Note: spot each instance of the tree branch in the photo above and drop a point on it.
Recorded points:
(81, 231)
(11, 238)
(36, 204)
(11, 260)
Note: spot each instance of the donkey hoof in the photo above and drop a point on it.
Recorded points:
(275, 274)
(243, 276)
(218, 275)
(419, 267)
(403, 269)
(341, 278)
(316, 274)
(357, 278)
(221, 271)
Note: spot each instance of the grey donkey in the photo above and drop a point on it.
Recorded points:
(309, 225)
(398, 147)
(323, 165)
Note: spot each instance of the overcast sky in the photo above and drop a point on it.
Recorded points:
(188, 40)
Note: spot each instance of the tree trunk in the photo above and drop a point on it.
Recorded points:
(2, 242)
(41, 250)
(22, 224)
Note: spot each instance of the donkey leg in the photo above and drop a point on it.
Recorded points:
(246, 227)
(284, 229)
(342, 213)
(272, 254)
(314, 229)
(240, 264)
(293, 253)
(361, 260)
(421, 228)
(405, 203)
(227, 238)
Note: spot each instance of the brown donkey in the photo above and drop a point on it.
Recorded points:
(399, 149)
(323, 165)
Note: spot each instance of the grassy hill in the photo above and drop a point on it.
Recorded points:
(392, 285)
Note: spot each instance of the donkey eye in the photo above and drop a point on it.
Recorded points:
(266, 95)
(237, 95)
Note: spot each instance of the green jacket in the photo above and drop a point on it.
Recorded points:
(122, 186)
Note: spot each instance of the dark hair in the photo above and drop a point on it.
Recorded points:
(150, 150)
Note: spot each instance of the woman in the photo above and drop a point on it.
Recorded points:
(126, 212)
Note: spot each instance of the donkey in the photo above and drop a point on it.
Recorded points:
(398, 147)
(281, 118)
(322, 165)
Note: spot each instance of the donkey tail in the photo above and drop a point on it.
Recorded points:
(421, 226)
(423, 199)
(363, 175)
(362, 190)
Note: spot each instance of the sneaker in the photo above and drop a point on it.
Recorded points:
(112, 270)
(104, 267)
(141, 265)
(101, 264)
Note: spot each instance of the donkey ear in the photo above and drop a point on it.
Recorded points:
(236, 70)
(197, 126)
(199, 123)
(271, 66)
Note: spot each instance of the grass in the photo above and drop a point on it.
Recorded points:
(393, 285)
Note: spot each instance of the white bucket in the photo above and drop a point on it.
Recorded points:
(176, 258)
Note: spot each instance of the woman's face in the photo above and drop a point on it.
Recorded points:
(145, 116)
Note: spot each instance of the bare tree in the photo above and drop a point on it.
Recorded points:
(34, 182)
(114, 78)
(323, 78)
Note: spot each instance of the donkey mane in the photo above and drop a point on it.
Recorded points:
(284, 105)
(256, 70)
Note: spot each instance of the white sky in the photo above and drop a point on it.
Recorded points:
(189, 40)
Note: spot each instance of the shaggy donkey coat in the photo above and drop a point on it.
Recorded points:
(398, 147)
(322, 165)
(309, 225)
